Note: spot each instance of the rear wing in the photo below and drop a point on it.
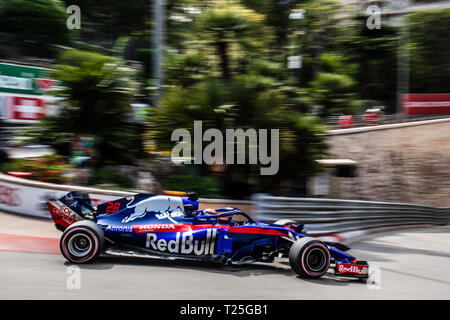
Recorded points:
(74, 206)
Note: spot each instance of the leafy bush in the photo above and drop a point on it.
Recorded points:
(429, 51)
(111, 176)
(97, 92)
(35, 24)
(334, 92)
(207, 187)
(45, 169)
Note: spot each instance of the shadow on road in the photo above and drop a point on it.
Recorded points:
(244, 270)
(374, 247)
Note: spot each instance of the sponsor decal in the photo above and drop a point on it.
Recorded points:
(25, 80)
(168, 214)
(184, 243)
(55, 212)
(24, 109)
(16, 83)
(145, 228)
(67, 214)
(10, 196)
(356, 269)
(43, 84)
(61, 211)
(164, 208)
(119, 228)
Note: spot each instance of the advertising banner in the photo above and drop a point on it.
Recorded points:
(423, 104)
(22, 93)
(30, 200)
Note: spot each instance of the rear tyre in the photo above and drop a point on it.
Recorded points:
(82, 242)
(309, 257)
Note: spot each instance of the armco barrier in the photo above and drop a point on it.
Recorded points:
(29, 197)
(330, 216)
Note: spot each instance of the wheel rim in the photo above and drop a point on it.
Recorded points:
(79, 245)
(316, 259)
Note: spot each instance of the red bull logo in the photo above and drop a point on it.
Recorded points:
(353, 269)
(184, 243)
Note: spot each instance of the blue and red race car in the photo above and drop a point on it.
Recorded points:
(172, 227)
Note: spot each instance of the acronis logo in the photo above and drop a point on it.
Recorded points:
(112, 228)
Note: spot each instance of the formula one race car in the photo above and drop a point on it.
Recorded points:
(172, 227)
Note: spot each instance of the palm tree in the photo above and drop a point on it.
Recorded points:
(96, 95)
(226, 26)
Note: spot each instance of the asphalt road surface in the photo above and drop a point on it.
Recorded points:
(407, 264)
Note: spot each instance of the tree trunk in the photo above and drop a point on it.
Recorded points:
(222, 47)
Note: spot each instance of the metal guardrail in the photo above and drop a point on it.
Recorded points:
(5, 135)
(359, 122)
(328, 216)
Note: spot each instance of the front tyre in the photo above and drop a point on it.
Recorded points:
(309, 257)
(82, 242)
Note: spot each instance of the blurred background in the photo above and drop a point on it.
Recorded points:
(95, 103)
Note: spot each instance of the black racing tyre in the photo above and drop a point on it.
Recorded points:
(82, 242)
(284, 222)
(309, 257)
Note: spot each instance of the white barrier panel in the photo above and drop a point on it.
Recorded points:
(28, 197)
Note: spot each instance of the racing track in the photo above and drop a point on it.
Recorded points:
(414, 264)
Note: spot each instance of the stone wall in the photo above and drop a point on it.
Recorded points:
(409, 164)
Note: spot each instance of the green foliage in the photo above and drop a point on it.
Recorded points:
(225, 65)
(104, 19)
(111, 176)
(35, 25)
(373, 57)
(187, 69)
(244, 102)
(230, 28)
(96, 101)
(276, 15)
(204, 186)
(229, 75)
(45, 169)
(429, 51)
(334, 92)
(322, 28)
